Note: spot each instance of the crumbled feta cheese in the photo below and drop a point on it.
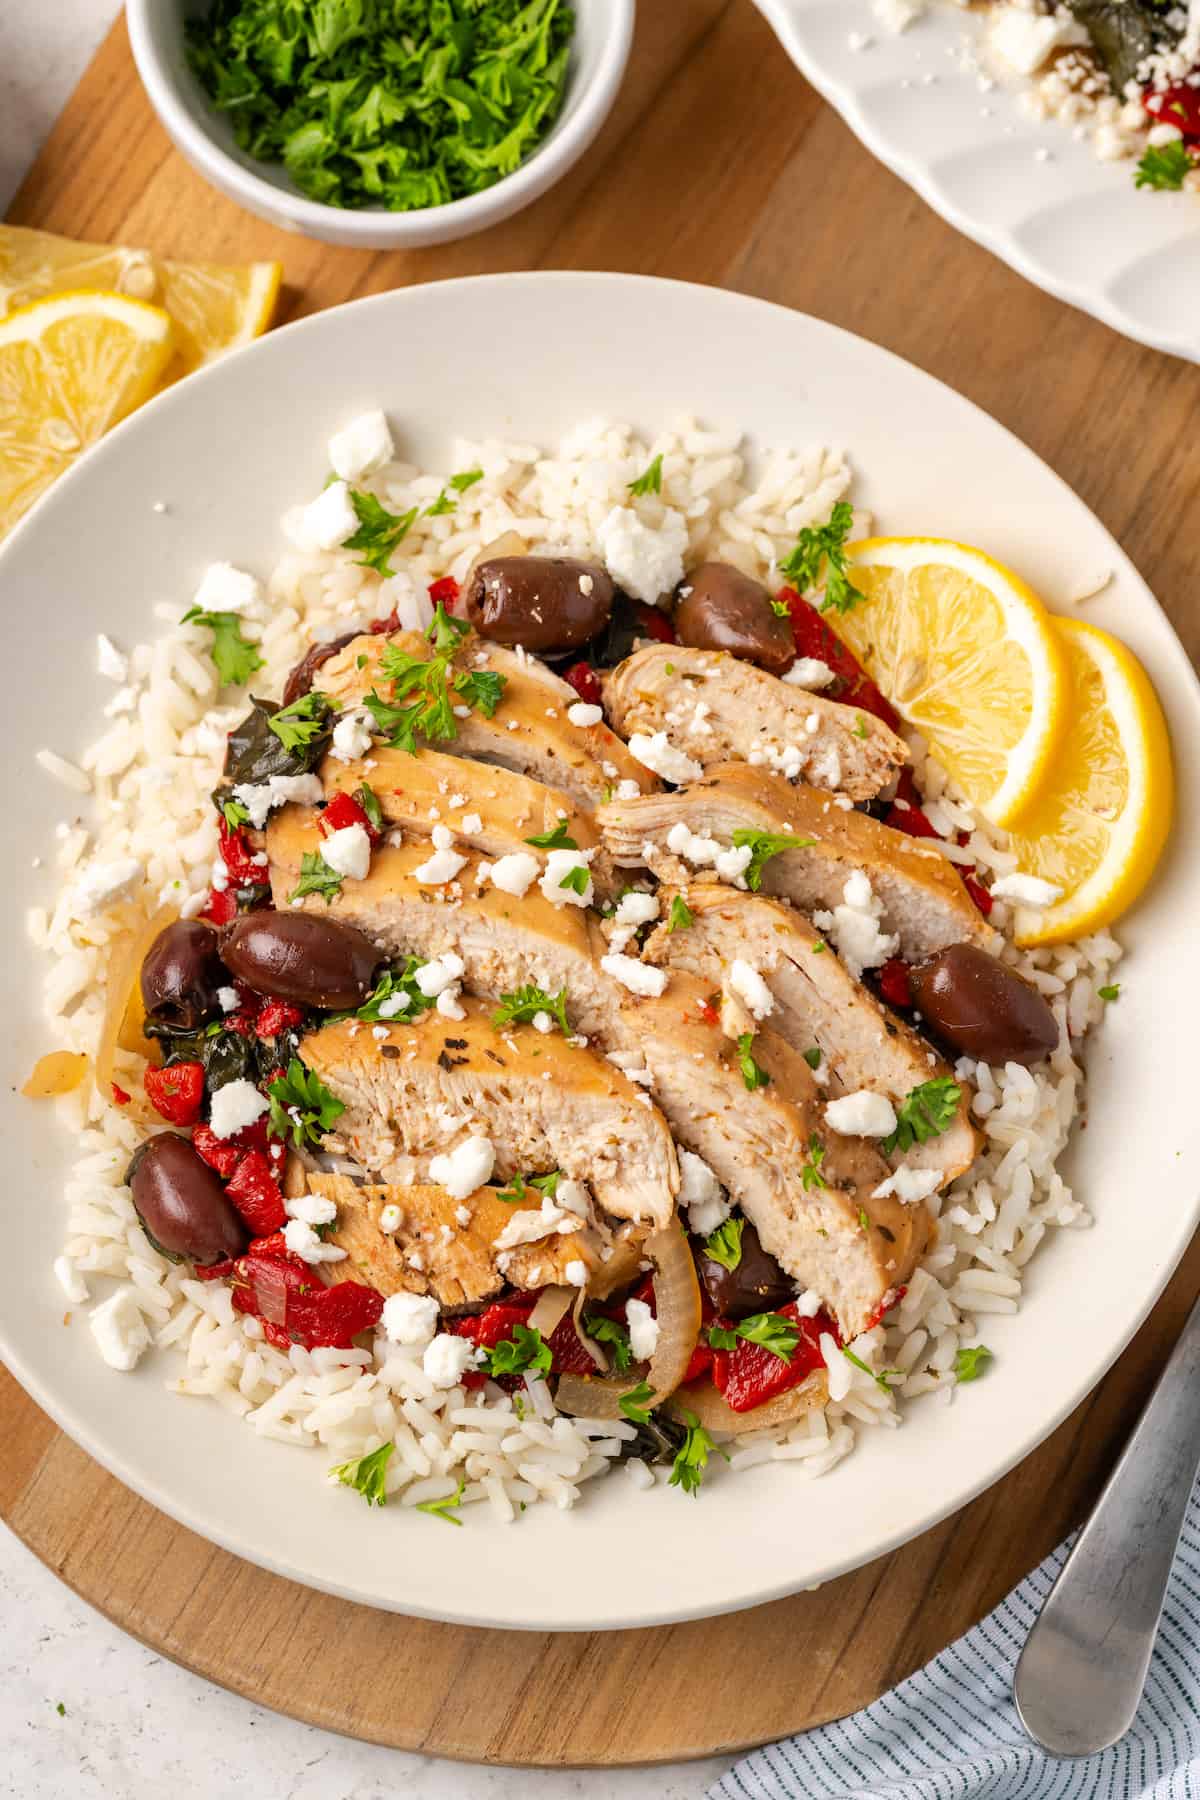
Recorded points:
(447, 1359)
(636, 909)
(110, 661)
(1026, 40)
(908, 1185)
(352, 736)
(226, 589)
(327, 521)
(807, 1304)
(394, 1005)
(444, 864)
(1026, 890)
(732, 864)
(582, 713)
(409, 1318)
(541, 1021)
(361, 447)
(571, 1196)
(576, 1272)
(809, 672)
(644, 561)
(390, 1218)
(861, 1114)
(70, 1280)
(530, 1224)
(228, 999)
(103, 882)
(643, 1330)
(465, 1168)
(348, 851)
(515, 873)
(448, 1006)
(312, 1209)
(628, 789)
(277, 790)
(234, 1107)
(854, 926)
(638, 977)
(471, 824)
(559, 865)
(120, 1330)
(683, 841)
(700, 1192)
(303, 1242)
(439, 973)
(654, 751)
(750, 988)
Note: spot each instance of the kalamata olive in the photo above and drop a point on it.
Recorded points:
(982, 1007)
(719, 608)
(541, 602)
(181, 974)
(182, 1202)
(758, 1284)
(300, 681)
(301, 957)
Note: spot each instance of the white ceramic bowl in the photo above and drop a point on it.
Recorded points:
(603, 31)
(227, 451)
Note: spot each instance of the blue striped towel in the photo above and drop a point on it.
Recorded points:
(951, 1731)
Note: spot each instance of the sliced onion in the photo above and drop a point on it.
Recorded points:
(124, 1014)
(270, 1290)
(509, 543)
(623, 1266)
(58, 1072)
(714, 1412)
(677, 1305)
(598, 1356)
(553, 1303)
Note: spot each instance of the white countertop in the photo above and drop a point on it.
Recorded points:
(134, 1724)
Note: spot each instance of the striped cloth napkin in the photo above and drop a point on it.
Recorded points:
(951, 1731)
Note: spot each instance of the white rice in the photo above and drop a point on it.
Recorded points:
(150, 775)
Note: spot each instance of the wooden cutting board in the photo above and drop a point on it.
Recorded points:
(718, 165)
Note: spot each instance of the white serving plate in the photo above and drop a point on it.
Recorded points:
(1073, 225)
(531, 354)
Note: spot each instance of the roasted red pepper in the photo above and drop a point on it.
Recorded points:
(584, 679)
(1178, 106)
(444, 592)
(177, 1092)
(238, 855)
(750, 1375)
(255, 1192)
(343, 810)
(223, 1154)
(816, 637)
(220, 907)
(275, 1016)
(295, 1307)
(979, 894)
(894, 983)
(119, 1095)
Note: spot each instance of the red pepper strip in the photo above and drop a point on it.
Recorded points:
(342, 810)
(749, 1375)
(1178, 106)
(223, 1154)
(255, 1192)
(119, 1094)
(384, 627)
(653, 622)
(215, 1271)
(237, 853)
(177, 1092)
(275, 1016)
(816, 637)
(220, 907)
(979, 894)
(913, 820)
(584, 679)
(891, 1299)
(894, 983)
(312, 1313)
(446, 591)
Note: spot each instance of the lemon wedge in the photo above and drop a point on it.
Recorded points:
(966, 653)
(217, 306)
(71, 366)
(1098, 826)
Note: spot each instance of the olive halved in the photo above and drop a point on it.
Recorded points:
(758, 1284)
(301, 957)
(981, 1007)
(182, 1203)
(300, 681)
(539, 602)
(181, 973)
(720, 608)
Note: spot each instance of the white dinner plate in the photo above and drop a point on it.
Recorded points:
(531, 354)
(1025, 189)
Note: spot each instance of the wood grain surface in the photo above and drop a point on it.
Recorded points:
(718, 165)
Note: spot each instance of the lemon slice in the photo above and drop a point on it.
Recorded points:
(1097, 828)
(71, 366)
(215, 306)
(966, 653)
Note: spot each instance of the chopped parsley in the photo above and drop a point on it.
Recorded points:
(234, 656)
(819, 545)
(633, 1404)
(576, 879)
(298, 725)
(650, 479)
(431, 687)
(864, 1221)
(763, 845)
(810, 1171)
(609, 1331)
(443, 1508)
(368, 799)
(769, 1330)
(860, 726)
(526, 1352)
(366, 1474)
(395, 107)
(1165, 167)
(1111, 991)
(234, 814)
(390, 984)
(781, 609)
(460, 483)
(302, 1107)
(558, 839)
(924, 1113)
(520, 1008)
(521, 1186)
(316, 877)
(876, 1377)
(687, 1471)
(813, 1057)
(969, 1364)
(379, 532)
(680, 915)
(752, 1074)
(819, 947)
(724, 1245)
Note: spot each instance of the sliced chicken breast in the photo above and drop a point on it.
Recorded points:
(530, 731)
(818, 1008)
(808, 1192)
(443, 1246)
(717, 708)
(544, 1103)
(923, 897)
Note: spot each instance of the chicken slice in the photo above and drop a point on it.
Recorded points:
(530, 731)
(818, 1007)
(808, 1192)
(544, 1103)
(923, 897)
(433, 1251)
(717, 708)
